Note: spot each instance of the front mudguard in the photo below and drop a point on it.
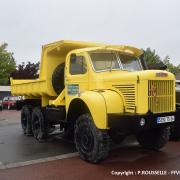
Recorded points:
(102, 103)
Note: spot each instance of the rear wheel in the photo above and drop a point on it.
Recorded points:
(39, 125)
(26, 115)
(92, 143)
(154, 139)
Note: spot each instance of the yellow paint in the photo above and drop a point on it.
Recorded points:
(96, 104)
(59, 101)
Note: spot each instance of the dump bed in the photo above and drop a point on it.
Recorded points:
(35, 88)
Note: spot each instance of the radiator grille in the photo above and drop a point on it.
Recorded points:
(128, 92)
(160, 96)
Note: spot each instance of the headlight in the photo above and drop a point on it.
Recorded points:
(142, 122)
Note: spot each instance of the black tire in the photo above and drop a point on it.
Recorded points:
(175, 132)
(154, 139)
(92, 143)
(39, 125)
(58, 78)
(175, 128)
(26, 115)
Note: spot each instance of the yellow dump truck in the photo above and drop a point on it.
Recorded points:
(97, 93)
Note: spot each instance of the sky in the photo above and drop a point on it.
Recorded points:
(26, 25)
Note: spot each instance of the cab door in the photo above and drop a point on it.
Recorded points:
(76, 76)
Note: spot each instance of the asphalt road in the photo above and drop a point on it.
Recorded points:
(16, 147)
(129, 161)
(125, 161)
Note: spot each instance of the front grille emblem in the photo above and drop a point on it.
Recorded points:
(153, 92)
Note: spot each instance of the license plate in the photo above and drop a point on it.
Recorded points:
(165, 119)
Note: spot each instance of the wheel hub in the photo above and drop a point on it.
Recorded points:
(85, 139)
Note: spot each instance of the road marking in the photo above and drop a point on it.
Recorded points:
(36, 161)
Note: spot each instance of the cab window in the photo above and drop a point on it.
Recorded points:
(77, 65)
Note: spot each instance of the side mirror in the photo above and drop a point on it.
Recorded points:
(157, 66)
(143, 62)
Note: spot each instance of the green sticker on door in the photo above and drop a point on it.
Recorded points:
(73, 89)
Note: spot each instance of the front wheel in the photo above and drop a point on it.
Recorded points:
(175, 132)
(92, 143)
(175, 128)
(154, 139)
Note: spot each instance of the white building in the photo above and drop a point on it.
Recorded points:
(4, 91)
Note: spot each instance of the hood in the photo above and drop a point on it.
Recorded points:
(115, 76)
(155, 75)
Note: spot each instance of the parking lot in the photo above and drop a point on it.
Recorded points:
(23, 157)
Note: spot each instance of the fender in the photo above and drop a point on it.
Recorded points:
(100, 104)
(114, 102)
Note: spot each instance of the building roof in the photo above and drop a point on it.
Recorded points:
(5, 88)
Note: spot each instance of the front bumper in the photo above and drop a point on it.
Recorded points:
(131, 123)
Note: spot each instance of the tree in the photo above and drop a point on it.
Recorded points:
(151, 57)
(26, 71)
(154, 61)
(7, 64)
(170, 67)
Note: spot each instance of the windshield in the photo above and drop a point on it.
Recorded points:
(130, 63)
(104, 61)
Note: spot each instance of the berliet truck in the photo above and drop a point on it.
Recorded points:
(98, 94)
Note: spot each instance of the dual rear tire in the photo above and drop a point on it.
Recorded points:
(26, 115)
(33, 122)
(39, 124)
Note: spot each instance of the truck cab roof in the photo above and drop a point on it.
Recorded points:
(65, 46)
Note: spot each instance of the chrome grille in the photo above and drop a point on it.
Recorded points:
(161, 96)
(128, 91)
